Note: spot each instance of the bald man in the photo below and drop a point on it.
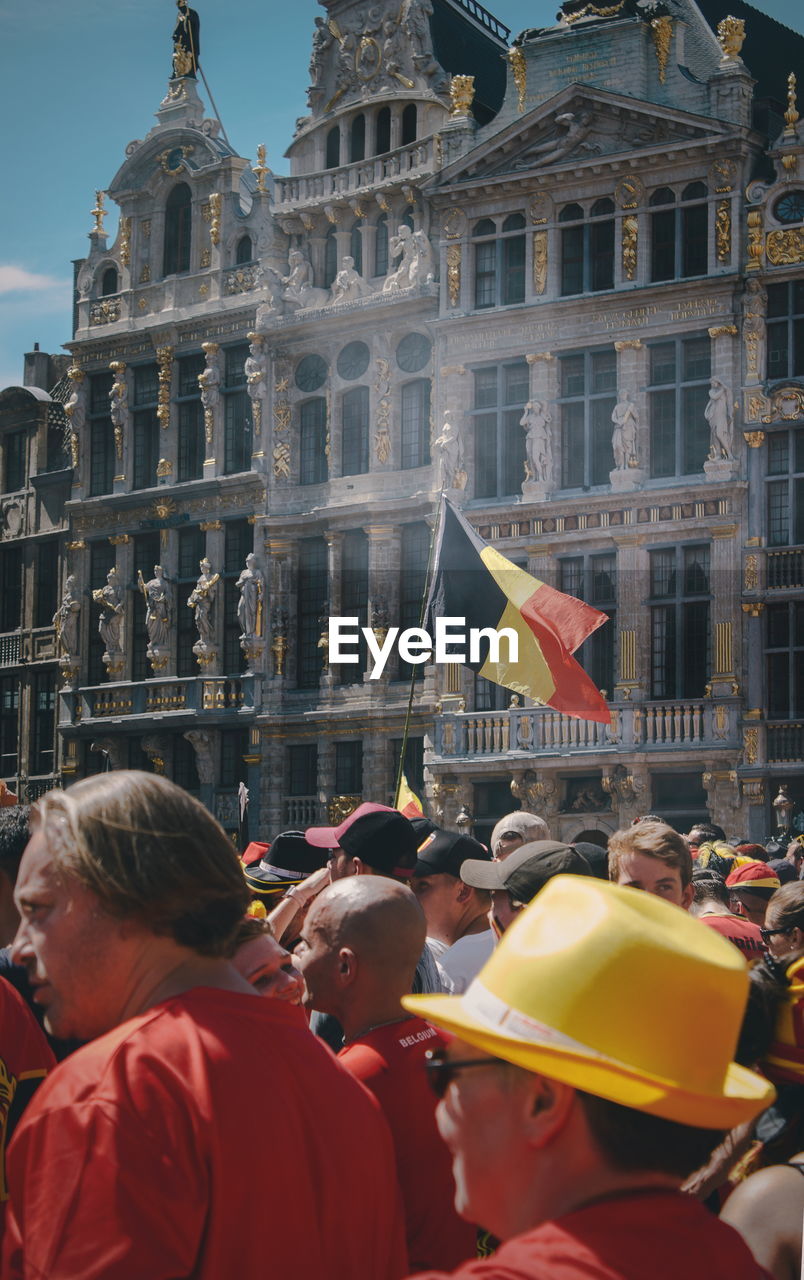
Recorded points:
(358, 951)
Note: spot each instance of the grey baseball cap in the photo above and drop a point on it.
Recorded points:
(525, 871)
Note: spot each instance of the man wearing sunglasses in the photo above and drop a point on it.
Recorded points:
(579, 1092)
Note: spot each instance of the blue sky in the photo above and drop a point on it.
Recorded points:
(79, 79)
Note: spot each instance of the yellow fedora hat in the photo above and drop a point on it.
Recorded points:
(615, 992)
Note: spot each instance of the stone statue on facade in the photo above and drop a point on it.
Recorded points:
(118, 407)
(299, 290)
(256, 370)
(538, 452)
(158, 612)
(322, 40)
(721, 422)
(203, 744)
(186, 42)
(75, 410)
(625, 417)
(349, 285)
(448, 450)
(251, 605)
(755, 306)
(112, 601)
(209, 384)
(65, 621)
(202, 602)
(416, 263)
(572, 130)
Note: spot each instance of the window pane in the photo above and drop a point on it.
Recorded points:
(486, 455)
(355, 432)
(572, 445)
(779, 454)
(694, 246)
(777, 625)
(571, 576)
(573, 382)
(237, 432)
(696, 434)
(312, 603)
(192, 447)
(662, 433)
(513, 285)
(695, 670)
(697, 358)
(601, 248)
(485, 388)
(663, 363)
(601, 460)
(513, 459)
(146, 385)
(663, 573)
(189, 369)
(485, 274)
(696, 570)
(663, 245)
(415, 406)
(778, 515)
(604, 371)
(663, 652)
(516, 383)
(572, 239)
(313, 432)
(303, 770)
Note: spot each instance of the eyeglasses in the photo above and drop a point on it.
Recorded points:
(441, 1070)
(767, 934)
(509, 835)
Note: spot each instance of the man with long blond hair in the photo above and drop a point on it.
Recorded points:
(144, 1155)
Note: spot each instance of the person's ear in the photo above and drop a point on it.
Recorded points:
(347, 966)
(548, 1107)
(357, 867)
(464, 892)
(687, 895)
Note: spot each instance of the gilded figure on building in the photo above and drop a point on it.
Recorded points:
(112, 601)
(202, 602)
(186, 42)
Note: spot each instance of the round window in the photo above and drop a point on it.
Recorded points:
(353, 361)
(311, 373)
(413, 352)
(790, 207)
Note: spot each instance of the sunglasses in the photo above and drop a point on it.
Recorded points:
(767, 934)
(441, 1070)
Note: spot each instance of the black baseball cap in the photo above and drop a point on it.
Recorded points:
(383, 838)
(286, 861)
(525, 871)
(444, 853)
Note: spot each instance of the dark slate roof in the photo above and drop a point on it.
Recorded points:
(470, 41)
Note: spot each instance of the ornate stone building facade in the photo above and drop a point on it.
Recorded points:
(561, 277)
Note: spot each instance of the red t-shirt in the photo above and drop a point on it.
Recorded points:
(25, 1059)
(390, 1062)
(743, 933)
(642, 1236)
(212, 1136)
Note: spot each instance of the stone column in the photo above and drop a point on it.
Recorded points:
(121, 427)
(326, 771)
(209, 382)
(633, 621)
(724, 570)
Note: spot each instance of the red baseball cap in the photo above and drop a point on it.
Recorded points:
(381, 837)
(753, 875)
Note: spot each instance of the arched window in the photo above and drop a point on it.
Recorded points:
(409, 124)
(109, 282)
(333, 148)
(243, 251)
(381, 246)
(330, 258)
(357, 138)
(178, 223)
(356, 247)
(415, 423)
(587, 248)
(383, 131)
(679, 236)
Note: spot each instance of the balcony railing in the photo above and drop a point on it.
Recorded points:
(541, 731)
(784, 742)
(301, 812)
(413, 160)
(196, 695)
(785, 569)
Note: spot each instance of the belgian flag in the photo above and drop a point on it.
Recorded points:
(473, 581)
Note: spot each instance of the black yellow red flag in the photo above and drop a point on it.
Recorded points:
(473, 581)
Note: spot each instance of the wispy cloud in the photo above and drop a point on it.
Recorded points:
(18, 280)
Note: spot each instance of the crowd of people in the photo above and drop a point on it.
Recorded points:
(381, 1049)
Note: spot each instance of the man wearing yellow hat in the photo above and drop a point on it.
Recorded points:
(591, 1071)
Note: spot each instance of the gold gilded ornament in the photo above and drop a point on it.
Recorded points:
(630, 245)
(461, 94)
(539, 261)
(454, 274)
(662, 32)
(731, 34)
(520, 72)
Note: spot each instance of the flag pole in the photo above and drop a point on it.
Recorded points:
(406, 729)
